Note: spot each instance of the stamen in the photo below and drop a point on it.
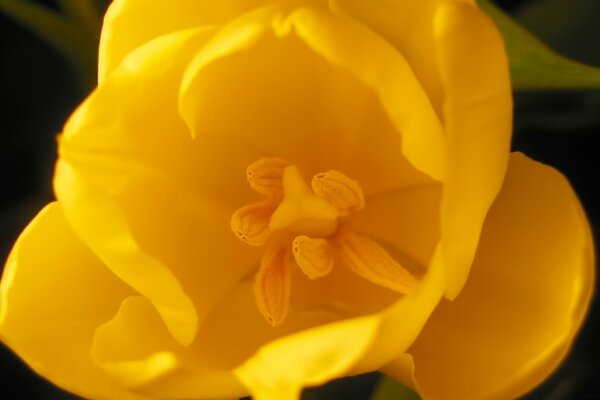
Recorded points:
(272, 283)
(371, 261)
(340, 191)
(301, 211)
(313, 256)
(251, 223)
(266, 176)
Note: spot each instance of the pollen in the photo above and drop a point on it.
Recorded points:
(303, 226)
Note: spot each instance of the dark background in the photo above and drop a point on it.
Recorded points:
(560, 128)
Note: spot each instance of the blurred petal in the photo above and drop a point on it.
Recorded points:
(402, 369)
(477, 118)
(528, 292)
(129, 24)
(55, 293)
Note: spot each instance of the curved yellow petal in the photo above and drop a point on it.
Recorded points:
(477, 116)
(134, 346)
(214, 352)
(347, 44)
(120, 164)
(280, 369)
(318, 90)
(54, 294)
(408, 26)
(158, 366)
(402, 322)
(101, 223)
(129, 24)
(478, 122)
(529, 289)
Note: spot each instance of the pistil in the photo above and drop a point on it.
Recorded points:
(300, 226)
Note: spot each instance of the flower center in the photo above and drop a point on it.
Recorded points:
(300, 227)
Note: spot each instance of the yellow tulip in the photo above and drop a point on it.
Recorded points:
(262, 196)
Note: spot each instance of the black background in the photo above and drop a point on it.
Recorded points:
(559, 128)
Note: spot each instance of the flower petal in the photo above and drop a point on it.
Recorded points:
(155, 364)
(169, 212)
(88, 173)
(129, 24)
(408, 26)
(125, 348)
(116, 247)
(213, 350)
(406, 220)
(351, 46)
(477, 118)
(529, 289)
(315, 98)
(402, 322)
(280, 369)
(55, 293)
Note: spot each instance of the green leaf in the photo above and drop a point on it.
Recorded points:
(533, 65)
(389, 389)
(65, 34)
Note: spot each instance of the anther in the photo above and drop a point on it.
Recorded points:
(313, 256)
(340, 191)
(266, 176)
(273, 282)
(251, 223)
(368, 259)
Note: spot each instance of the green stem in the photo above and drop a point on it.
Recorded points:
(388, 389)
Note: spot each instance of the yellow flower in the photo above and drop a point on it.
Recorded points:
(266, 195)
